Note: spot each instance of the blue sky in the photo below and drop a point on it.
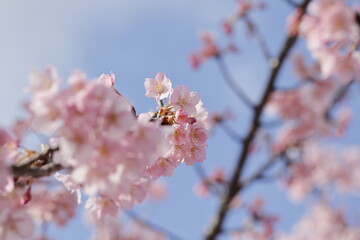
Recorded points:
(136, 39)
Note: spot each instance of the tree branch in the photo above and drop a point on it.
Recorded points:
(234, 187)
(259, 38)
(38, 165)
(230, 81)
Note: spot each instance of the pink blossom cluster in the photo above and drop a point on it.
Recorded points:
(56, 205)
(332, 35)
(243, 8)
(209, 49)
(323, 221)
(186, 134)
(306, 108)
(103, 147)
(18, 221)
(260, 225)
(15, 221)
(8, 150)
(323, 168)
(215, 179)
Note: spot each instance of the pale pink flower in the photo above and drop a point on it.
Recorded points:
(145, 137)
(228, 27)
(218, 175)
(58, 205)
(159, 87)
(198, 134)
(178, 136)
(345, 67)
(93, 97)
(7, 150)
(107, 79)
(164, 166)
(77, 81)
(182, 98)
(131, 194)
(179, 151)
(108, 150)
(116, 118)
(209, 49)
(15, 224)
(69, 184)
(202, 189)
(197, 153)
(322, 221)
(101, 206)
(46, 113)
(43, 82)
(181, 116)
(195, 60)
(321, 168)
(158, 190)
(337, 21)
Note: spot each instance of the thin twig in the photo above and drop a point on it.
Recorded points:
(200, 171)
(38, 165)
(234, 187)
(133, 215)
(37, 172)
(232, 84)
(339, 95)
(259, 38)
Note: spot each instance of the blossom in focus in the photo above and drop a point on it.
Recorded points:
(159, 87)
(182, 98)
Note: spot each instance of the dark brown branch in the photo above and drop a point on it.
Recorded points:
(37, 165)
(36, 172)
(234, 187)
(259, 39)
(232, 84)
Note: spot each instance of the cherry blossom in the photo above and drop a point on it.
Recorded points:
(159, 87)
(323, 222)
(183, 99)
